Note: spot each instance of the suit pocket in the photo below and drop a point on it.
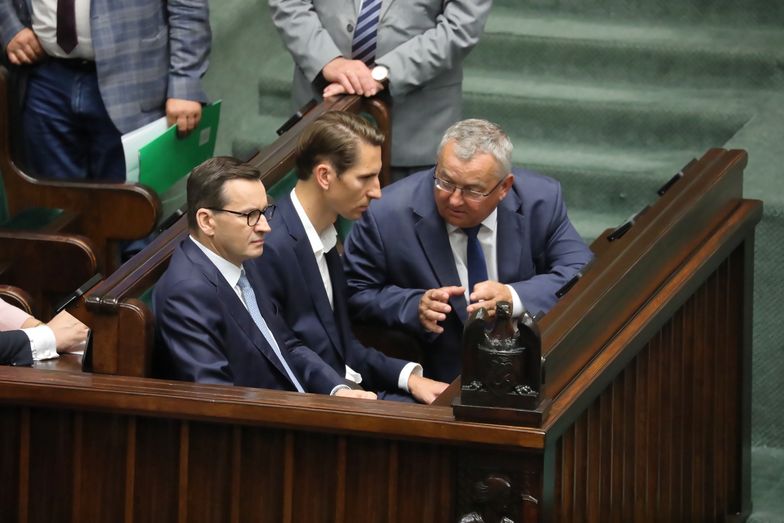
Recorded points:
(153, 70)
(412, 18)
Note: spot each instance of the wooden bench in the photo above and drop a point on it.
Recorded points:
(647, 367)
(106, 213)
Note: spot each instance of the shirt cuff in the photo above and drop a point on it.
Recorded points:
(43, 344)
(410, 368)
(517, 304)
(339, 387)
(353, 375)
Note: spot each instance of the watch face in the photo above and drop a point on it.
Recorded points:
(379, 73)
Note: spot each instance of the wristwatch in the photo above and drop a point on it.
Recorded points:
(380, 73)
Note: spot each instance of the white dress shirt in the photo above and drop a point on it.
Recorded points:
(487, 236)
(43, 344)
(44, 18)
(321, 244)
(232, 275)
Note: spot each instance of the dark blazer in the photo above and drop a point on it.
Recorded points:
(293, 284)
(205, 334)
(15, 348)
(400, 248)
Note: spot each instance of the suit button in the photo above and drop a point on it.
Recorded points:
(350, 28)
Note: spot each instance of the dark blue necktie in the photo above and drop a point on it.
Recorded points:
(475, 258)
(363, 46)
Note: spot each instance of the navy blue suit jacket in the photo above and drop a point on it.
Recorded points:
(205, 334)
(15, 348)
(293, 283)
(400, 248)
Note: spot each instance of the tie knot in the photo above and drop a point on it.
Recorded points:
(472, 232)
(243, 282)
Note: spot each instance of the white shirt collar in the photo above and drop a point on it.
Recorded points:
(229, 271)
(323, 242)
(490, 222)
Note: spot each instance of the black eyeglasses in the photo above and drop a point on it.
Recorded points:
(253, 216)
(468, 194)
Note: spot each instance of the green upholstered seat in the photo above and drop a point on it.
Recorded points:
(30, 219)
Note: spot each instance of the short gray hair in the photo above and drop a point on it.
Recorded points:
(474, 136)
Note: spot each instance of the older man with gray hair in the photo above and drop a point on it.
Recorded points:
(469, 233)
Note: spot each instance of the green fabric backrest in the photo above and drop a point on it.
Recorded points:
(29, 219)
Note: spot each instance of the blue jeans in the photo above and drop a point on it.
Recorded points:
(67, 132)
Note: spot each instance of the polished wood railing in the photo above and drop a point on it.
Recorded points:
(648, 380)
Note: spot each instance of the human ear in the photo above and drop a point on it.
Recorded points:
(206, 221)
(506, 185)
(321, 172)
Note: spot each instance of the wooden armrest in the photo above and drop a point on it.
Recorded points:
(108, 211)
(17, 297)
(48, 266)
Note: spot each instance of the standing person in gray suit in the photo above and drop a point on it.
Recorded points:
(418, 46)
(96, 69)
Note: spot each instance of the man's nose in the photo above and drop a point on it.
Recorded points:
(262, 225)
(375, 191)
(456, 198)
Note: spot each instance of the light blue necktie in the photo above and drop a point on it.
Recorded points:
(475, 258)
(253, 308)
(363, 46)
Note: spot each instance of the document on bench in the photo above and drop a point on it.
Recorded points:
(158, 158)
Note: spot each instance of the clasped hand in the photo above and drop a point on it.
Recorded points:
(349, 77)
(434, 303)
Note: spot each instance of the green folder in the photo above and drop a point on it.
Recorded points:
(168, 158)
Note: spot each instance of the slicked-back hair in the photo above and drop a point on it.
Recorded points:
(334, 137)
(475, 136)
(206, 181)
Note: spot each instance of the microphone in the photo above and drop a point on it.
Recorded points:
(677, 176)
(625, 226)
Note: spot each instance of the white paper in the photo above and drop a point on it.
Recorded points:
(135, 140)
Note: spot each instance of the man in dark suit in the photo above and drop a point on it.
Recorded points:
(467, 234)
(211, 325)
(338, 162)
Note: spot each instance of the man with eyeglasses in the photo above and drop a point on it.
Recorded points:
(467, 234)
(211, 325)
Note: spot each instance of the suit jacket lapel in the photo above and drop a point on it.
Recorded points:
(434, 240)
(239, 314)
(338, 279)
(384, 7)
(310, 271)
(511, 249)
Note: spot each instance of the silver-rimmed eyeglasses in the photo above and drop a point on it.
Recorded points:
(468, 194)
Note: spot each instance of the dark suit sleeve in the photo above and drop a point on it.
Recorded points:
(370, 297)
(15, 348)
(562, 253)
(314, 374)
(286, 289)
(188, 325)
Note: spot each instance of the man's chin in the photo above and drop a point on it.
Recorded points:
(256, 250)
(458, 219)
